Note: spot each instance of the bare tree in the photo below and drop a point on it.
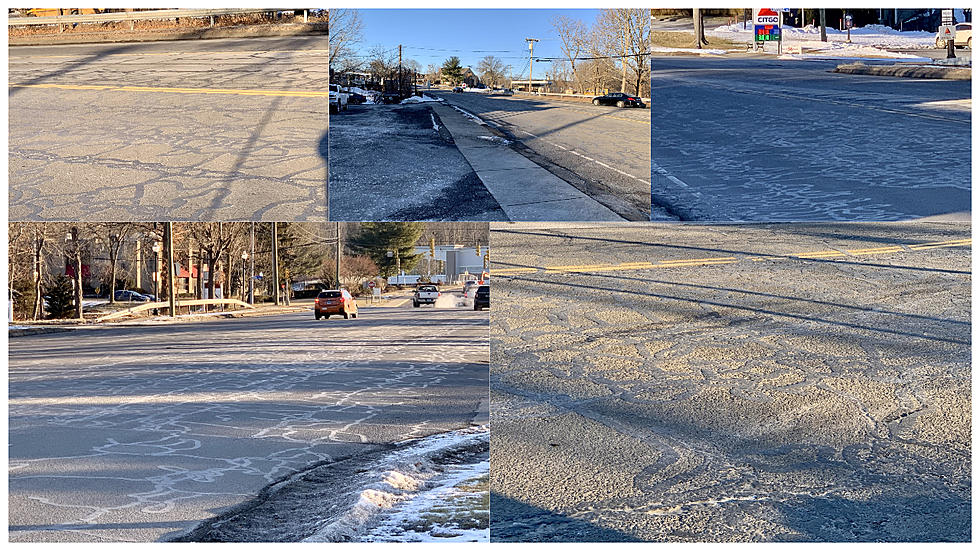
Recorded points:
(492, 70)
(216, 241)
(112, 235)
(624, 36)
(573, 36)
(344, 27)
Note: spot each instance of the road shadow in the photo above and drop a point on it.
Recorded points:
(894, 516)
(514, 521)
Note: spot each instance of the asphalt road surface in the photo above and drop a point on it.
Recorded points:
(794, 382)
(390, 162)
(754, 139)
(600, 150)
(140, 433)
(186, 130)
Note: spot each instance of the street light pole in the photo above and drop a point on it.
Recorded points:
(275, 263)
(168, 243)
(251, 264)
(244, 264)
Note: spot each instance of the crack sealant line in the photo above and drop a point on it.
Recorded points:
(815, 255)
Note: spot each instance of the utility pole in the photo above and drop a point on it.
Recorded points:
(400, 81)
(823, 24)
(339, 251)
(76, 256)
(251, 263)
(530, 71)
(275, 263)
(168, 243)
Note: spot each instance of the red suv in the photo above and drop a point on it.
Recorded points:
(334, 302)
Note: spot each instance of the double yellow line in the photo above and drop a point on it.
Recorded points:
(160, 89)
(712, 261)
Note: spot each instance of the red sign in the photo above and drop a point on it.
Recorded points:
(370, 284)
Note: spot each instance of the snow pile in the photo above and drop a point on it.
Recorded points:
(840, 50)
(689, 51)
(413, 474)
(478, 90)
(875, 36)
(419, 99)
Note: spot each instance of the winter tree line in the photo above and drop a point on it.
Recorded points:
(610, 53)
(54, 266)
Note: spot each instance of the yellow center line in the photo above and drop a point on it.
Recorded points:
(160, 89)
(179, 54)
(714, 261)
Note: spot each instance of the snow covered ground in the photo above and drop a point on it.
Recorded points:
(873, 41)
(434, 490)
(419, 99)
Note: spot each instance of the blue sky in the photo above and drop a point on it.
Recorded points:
(431, 36)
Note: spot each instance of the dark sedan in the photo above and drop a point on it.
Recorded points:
(481, 299)
(618, 99)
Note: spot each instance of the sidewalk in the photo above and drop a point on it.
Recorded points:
(524, 190)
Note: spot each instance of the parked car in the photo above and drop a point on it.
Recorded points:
(618, 99)
(124, 295)
(356, 98)
(507, 92)
(481, 299)
(338, 99)
(964, 36)
(458, 89)
(391, 97)
(334, 301)
(426, 294)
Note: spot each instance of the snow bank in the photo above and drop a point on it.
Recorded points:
(876, 36)
(419, 99)
(689, 50)
(410, 475)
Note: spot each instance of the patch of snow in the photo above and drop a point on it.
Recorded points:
(435, 125)
(689, 50)
(469, 115)
(419, 99)
(495, 139)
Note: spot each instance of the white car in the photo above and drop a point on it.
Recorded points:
(964, 36)
(338, 99)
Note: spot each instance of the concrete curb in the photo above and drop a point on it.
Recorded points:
(907, 71)
(524, 190)
(12, 333)
(249, 31)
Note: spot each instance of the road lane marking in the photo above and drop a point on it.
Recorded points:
(160, 89)
(179, 54)
(721, 260)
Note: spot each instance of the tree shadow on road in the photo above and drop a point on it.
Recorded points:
(515, 521)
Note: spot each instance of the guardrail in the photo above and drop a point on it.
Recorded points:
(574, 96)
(179, 304)
(140, 16)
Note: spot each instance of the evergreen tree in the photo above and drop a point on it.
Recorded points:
(452, 70)
(61, 298)
(375, 239)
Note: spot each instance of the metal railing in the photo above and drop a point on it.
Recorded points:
(139, 16)
(145, 307)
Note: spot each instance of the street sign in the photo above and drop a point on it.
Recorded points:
(947, 17)
(947, 32)
(371, 284)
(767, 26)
